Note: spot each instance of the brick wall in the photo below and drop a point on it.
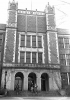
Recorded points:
(12, 17)
(41, 24)
(21, 22)
(31, 23)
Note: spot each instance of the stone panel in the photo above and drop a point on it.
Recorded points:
(53, 48)
(9, 46)
(45, 48)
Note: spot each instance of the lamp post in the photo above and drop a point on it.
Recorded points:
(5, 79)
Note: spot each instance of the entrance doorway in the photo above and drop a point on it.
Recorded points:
(31, 80)
(19, 81)
(44, 82)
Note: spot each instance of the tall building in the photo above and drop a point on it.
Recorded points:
(33, 50)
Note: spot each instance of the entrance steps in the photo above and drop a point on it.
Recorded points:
(30, 94)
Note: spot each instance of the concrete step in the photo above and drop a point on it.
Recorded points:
(28, 93)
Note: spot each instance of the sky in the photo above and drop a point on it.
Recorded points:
(62, 10)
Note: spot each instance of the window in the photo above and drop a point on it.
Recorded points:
(68, 59)
(66, 41)
(67, 56)
(61, 44)
(1, 40)
(39, 41)
(62, 56)
(33, 41)
(22, 40)
(68, 62)
(28, 41)
(39, 57)
(27, 57)
(34, 57)
(22, 57)
(60, 40)
(62, 59)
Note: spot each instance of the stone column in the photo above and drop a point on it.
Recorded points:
(39, 83)
(25, 82)
(50, 83)
(12, 80)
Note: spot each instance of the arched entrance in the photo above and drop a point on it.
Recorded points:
(44, 82)
(31, 80)
(19, 80)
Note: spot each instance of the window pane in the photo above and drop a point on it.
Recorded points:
(22, 43)
(28, 41)
(62, 56)
(39, 41)
(33, 41)
(66, 40)
(28, 57)
(0, 56)
(39, 57)
(23, 37)
(68, 56)
(22, 40)
(22, 56)
(33, 57)
(33, 44)
(62, 61)
(60, 40)
(68, 62)
(33, 38)
(0, 41)
(61, 45)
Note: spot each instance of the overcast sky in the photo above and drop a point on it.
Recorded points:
(62, 9)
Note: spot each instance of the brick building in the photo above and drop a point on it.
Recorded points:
(30, 51)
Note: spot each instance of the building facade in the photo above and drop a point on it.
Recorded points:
(31, 50)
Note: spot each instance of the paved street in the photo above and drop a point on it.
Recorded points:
(35, 98)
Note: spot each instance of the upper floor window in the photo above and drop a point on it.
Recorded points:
(28, 57)
(33, 41)
(22, 57)
(62, 59)
(39, 41)
(60, 40)
(28, 41)
(66, 41)
(1, 40)
(33, 57)
(22, 40)
(61, 43)
(39, 57)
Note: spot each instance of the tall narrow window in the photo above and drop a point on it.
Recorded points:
(28, 41)
(39, 57)
(66, 41)
(33, 41)
(61, 43)
(39, 41)
(27, 57)
(1, 40)
(22, 57)
(34, 57)
(62, 59)
(22, 40)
